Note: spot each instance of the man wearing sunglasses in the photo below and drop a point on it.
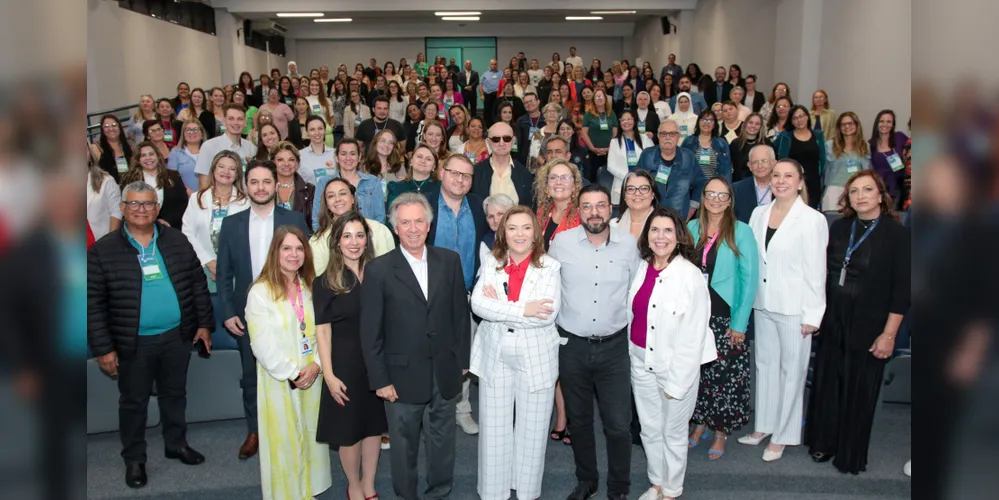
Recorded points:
(147, 303)
(678, 177)
(501, 172)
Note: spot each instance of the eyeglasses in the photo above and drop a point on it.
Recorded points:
(714, 195)
(192, 130)
(783, 106)
(707, 120)
(638, 189)
(847, 124)
(589, 207)
(504, 138)
(759, 162)
(110, 125)
(669, 134)
(155, 129)
(565, 178)
(136, 205)
(461, 175)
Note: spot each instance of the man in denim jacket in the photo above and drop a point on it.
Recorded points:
(678, 177)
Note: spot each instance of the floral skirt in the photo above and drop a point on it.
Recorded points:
(723, 400)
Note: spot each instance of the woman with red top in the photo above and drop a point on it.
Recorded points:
(515, 355)
(556, 194)
(171, 125)
(669, 340)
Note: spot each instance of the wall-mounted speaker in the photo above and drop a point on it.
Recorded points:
(666, 25)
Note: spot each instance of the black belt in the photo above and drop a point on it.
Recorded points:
(593, 340)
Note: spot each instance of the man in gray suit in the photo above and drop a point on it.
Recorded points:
(416, 336)
(243, 243)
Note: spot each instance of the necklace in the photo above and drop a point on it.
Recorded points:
(286, 186)
(419, 185)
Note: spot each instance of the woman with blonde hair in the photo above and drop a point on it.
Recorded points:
(821, 114)
(142, 113)
(552, 113)
(184, 156)
(199, 103)
(384, 160)
(556, 194)
(280, 320)
(149, 166)
(320, 106)
(848, 154)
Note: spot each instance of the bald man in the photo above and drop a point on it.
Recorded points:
(488, 90)
(468, 80)
(501, 172)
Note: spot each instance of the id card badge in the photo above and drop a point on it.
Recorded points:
(514, 149)
(471, 156)
(641, 127)
(285, 205)
(707, 277)
(217, 216)
(357, 121)
(168, 135)
(440, 114)
(306, 346)
(683, 131)
(603, 124)
(632, 158)
(704, 158)
(317, 109)
(319, 173)
(895, 162)
(122, 164)
(851, 166)
(662, 175)
(150, 269)
(221, 126)
(532, 131)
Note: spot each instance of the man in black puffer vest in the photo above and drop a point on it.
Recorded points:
(147, 303)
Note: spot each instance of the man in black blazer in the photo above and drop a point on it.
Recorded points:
(416, 338)
(719, 91)
(244, 240)
(751, 192)
(502, 159)
(468, 80)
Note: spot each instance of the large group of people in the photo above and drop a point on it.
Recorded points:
(369, 243)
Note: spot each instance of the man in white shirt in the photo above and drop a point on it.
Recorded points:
(573, 59)
(244, 241)
(232, 140)
(416, 361)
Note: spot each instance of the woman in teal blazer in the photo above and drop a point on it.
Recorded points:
(728, 258)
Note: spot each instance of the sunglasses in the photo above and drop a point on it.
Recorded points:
(504, 138)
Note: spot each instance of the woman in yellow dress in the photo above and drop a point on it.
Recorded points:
(281, 323)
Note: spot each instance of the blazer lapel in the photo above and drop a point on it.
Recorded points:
(786, 226)
(531, 278)
(406, 275)
(435, 266)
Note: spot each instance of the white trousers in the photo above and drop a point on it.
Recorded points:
(665, 423)
(781, 366)
(464, 406)
(512, 456)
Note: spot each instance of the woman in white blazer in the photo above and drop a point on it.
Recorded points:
(624, 151)
(790, 302)
(203, 220)
(515, 355)
(670, 339)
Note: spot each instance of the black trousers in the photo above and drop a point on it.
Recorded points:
(161, 359)
(489, 105)
(593, 167)
(602, 370)
(248, 381)
(405, 422)
(471, 99)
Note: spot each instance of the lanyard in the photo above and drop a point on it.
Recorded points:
(707, 248)
(534, 123)
(299, 307)
(851, 247)
(766, 194)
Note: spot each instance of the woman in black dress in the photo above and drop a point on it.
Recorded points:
(807, 146)
(351, 418)
(867, 294)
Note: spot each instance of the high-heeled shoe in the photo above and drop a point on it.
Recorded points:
(704, 435)
(772, 456)
(716, 454)
(752, 440)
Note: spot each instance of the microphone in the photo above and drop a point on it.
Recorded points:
(506, 288)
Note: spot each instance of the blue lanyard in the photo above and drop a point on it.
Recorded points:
(851, 247)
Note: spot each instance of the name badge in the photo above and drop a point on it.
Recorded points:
(285, 205)
(704, 158)
(532, 131)
(683, 130)
(150, 269)
(168, 135)
(471, 156)
(662, 175)
(122, 164)
(221, 126)
(603, 125)
(707, 278)
(514, 149)
(641, 127)
(851, 166)
(217, 216)
(357, 121)
(317, 109)
(306, 346)
(632, 158)
(440, 114)
(319, 173)
(895, 162)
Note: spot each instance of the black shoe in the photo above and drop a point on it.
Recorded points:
(135, 475)
(820, 457)
(583, 492)
(187, 456)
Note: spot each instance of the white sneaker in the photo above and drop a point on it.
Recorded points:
(467, 424)
(752, 440)
(908, 468)
(651, 494)
(386, 443)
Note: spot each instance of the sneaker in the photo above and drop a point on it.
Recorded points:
(651, 494)
(467, 424)
(386, 444)
(908, 468)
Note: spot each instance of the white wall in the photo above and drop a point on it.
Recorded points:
(787, 48)
(315, 53)
(130, 54)
(649, 44)
(606, 49)
(735, 31)
(866, 62)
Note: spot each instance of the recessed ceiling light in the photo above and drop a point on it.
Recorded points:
(460, 18)
(452, 14)
(613, 12)
(333, 20)
(300, 14)
(583, 18)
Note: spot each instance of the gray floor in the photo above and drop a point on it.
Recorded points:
(741, 474)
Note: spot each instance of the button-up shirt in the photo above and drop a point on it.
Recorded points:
(503, 182)
(763, 195)
(419, 267)
(261, 234)
(315, 166)
(457, 232)
(245, 149)
(490, 81)
(159, 310)
(595, 281)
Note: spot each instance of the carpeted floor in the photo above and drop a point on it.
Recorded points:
(741, 474)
